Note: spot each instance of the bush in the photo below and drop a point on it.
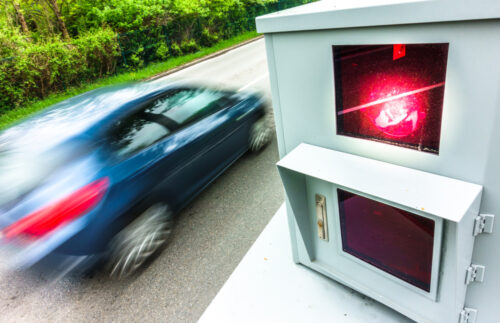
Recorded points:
(175, 50)
(189, 47)
(11, 92)
(135, 60)
(162, 51)
(41, 68)
(119, 15)
(100, 52)
(207, 38)
(107, 36)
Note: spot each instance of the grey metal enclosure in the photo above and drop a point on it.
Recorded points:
(388, 120)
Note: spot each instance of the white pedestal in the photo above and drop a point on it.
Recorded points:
(268, 287)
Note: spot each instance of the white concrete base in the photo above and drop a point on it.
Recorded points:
(268, 287)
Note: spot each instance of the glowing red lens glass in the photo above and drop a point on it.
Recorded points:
(393, 240)
(57, 214)
(391, 93)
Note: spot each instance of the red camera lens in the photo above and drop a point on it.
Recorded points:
(391, 93)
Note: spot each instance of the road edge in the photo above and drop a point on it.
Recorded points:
(202, 59)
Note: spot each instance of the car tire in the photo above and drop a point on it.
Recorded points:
(139, 240)
(261, 135)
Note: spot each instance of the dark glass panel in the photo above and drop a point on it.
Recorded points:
(396, 241)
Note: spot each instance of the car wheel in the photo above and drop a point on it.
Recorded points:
(132, 246)
(260, 135)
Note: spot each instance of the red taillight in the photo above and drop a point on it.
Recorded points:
(60, 212)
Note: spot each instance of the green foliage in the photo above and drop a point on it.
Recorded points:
(11, 40)
(153, 69)
(190, 25)
(162, 51)
(109, 36)
(175, 50)
(120, 15)
(135, 60)
(100, 52)
(207, 38)
(36, 69)
(189, 46)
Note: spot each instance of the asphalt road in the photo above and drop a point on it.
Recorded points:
(212, 235)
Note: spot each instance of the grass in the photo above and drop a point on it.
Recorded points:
(17, 114)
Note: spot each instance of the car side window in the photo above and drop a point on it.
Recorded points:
(164, 115)
(135, 133)
(187, 105)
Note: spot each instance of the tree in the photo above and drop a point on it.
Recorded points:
(20, 17)
(53, 5)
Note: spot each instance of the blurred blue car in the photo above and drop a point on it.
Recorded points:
(103, 173)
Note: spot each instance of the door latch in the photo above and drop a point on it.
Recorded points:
(321, 217)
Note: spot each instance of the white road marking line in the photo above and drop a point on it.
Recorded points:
(253, 82)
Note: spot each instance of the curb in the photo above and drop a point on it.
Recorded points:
(202, 59)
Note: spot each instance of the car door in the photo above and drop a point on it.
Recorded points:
(135, 146)
(172, 145)
(199, 150)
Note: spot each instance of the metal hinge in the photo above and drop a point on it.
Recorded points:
(483, 224)
(468, 315)
(475, 273)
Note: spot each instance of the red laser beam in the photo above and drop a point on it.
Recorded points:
(391, 98)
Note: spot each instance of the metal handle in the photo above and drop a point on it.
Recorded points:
(321, 217)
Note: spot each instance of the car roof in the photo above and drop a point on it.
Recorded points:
(72, 117)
